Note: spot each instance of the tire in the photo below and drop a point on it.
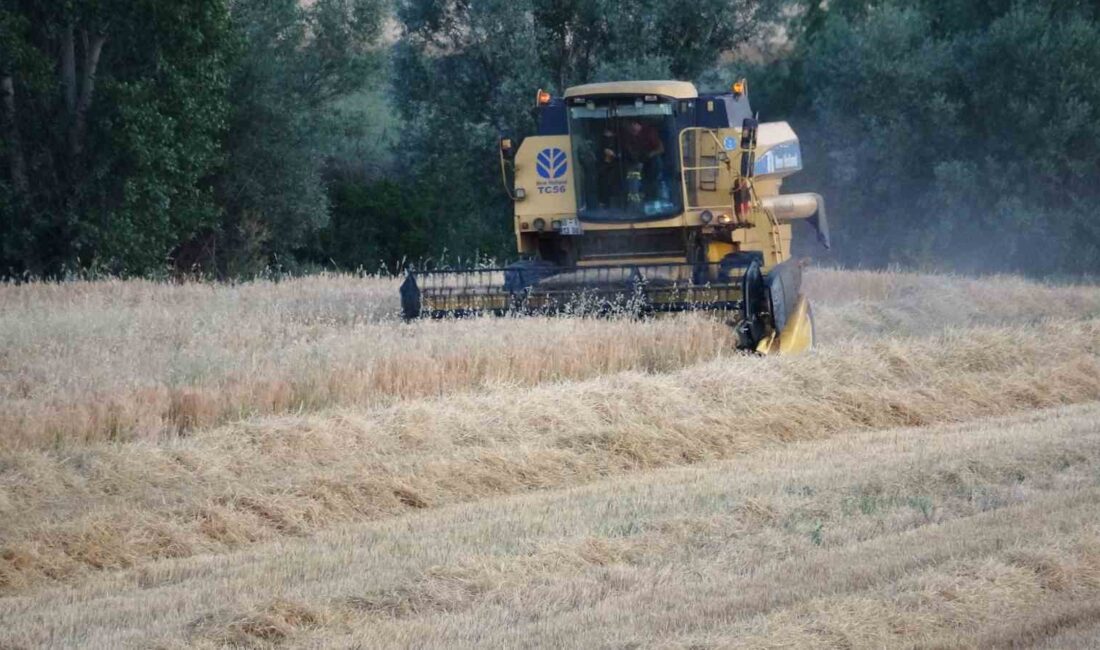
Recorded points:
(784, 288)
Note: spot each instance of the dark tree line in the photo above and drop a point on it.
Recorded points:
(112, 114)
(144, 137)
(229, 136)
(950, 133)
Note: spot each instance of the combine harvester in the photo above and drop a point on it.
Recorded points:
(646, 197)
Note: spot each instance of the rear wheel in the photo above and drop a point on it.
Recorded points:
(784, 291)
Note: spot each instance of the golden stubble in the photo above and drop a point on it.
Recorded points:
(236, 450)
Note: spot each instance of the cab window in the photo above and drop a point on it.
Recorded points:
(626, 159)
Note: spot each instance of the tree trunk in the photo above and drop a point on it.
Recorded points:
(92, 49)
(11, 134)
(68, 71)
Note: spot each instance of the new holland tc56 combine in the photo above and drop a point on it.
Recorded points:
(646, 197)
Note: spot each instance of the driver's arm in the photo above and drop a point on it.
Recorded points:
(657, 145)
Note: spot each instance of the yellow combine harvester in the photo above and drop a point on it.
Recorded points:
(645, 196)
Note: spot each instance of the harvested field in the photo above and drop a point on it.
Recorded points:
(289, 464)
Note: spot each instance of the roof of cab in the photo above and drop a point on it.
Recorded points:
(673, 89)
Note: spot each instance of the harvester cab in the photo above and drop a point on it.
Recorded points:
(646, 197)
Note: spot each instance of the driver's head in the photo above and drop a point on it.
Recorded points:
(635, 127)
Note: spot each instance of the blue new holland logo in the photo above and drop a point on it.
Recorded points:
(782, 157)
(551, 163)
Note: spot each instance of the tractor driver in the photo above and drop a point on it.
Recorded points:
(642, 144)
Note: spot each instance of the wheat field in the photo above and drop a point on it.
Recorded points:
(288, 464)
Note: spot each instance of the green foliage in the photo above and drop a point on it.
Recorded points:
(233, 135)
(167, 141)
(117, 149)
(651, 67)
(952, 133)
(293, 62)
(192, 133)
(459, 84)
(375, 225)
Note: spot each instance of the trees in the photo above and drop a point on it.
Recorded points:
(139, 134)
(112, 114)
(292, 62)
(951, 134)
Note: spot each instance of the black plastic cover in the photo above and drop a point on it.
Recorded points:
(722, 111)
(552, 118)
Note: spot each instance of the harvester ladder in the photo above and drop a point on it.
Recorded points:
(689, 150)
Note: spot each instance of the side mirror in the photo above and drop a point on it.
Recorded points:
(507, 151)
(748, 147)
